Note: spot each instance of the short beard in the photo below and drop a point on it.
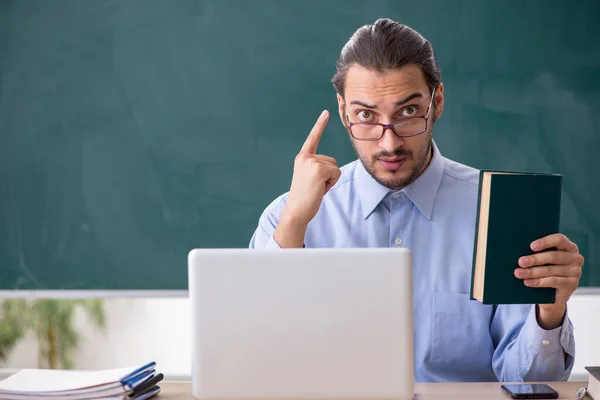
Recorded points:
(398, 183)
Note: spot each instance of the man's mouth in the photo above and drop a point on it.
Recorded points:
(392, 163)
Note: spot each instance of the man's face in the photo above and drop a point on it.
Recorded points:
(370, 96)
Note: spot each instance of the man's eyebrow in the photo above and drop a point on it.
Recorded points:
(398, 103)
(360, 103)
(408, 98)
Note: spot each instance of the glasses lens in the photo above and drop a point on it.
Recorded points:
(410, 126)
(366, 132)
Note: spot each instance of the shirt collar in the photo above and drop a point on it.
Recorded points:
(422, 191)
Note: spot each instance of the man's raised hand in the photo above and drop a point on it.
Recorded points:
(314, 175)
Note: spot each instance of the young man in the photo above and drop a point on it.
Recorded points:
(403, 192)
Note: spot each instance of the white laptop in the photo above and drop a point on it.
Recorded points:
(301, 323)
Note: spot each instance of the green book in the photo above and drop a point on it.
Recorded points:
(513, 210)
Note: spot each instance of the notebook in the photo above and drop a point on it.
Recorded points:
(514, 209)
(137, 382)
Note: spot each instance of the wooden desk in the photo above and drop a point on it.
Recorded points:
(424, 391)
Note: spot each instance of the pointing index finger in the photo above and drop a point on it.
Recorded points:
(312, 141)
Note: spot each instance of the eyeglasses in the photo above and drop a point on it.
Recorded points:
(405, 127)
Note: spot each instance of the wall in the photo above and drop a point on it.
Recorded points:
(139, 330)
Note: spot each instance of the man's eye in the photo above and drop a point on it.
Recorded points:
(365, 115)
(409, 111)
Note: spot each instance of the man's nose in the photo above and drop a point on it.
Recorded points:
(390, 141)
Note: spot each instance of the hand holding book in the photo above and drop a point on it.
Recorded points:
(556, 264)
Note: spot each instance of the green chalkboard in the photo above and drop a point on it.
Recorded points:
(133, 131)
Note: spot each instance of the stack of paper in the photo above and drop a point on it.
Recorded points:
(139, 382)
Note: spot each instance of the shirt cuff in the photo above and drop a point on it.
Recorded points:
(272, 244)
(548, 341)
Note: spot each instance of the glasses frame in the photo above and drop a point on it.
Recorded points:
(385, 127)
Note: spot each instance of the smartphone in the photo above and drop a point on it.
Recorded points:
(530, 391)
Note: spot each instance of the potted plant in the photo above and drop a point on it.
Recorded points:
(52, 322)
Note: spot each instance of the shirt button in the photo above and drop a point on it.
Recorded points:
(396, 195)
(545, 342)
(398, 241)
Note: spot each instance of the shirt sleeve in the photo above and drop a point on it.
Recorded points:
(526, 352)
(267, 223)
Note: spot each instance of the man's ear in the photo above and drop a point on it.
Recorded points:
(439, 101)
(341, 109)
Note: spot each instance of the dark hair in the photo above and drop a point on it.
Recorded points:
(385, 45)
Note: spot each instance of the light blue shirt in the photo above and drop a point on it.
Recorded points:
(456, 339)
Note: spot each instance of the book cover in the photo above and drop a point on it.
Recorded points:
(513, 210)
(593, 387)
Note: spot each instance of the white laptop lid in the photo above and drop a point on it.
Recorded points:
(302, 323)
